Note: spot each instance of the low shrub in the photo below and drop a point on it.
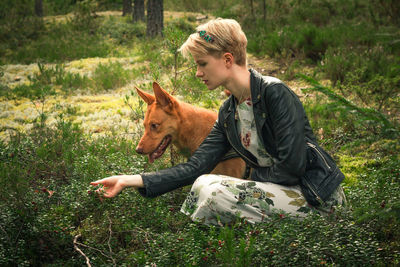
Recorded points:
(18, 25)
(339, 63)
(122, 30)
(375, 196)
(84, 16)
(48, 206)
(370, 77)
(182, 25)
(58, 7)
(33, 167)
(380, 92)
(45, 83)
(368, 118)
(45, 192)
(109, 76)
(306, 40)
(51, 41)
(58, 44)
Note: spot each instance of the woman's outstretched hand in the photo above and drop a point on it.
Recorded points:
(115, 184)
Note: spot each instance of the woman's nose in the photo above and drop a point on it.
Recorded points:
(199, 73)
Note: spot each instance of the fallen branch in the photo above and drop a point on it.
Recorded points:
(80, 251)
(98, 250)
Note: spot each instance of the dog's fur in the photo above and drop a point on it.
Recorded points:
(168, 120)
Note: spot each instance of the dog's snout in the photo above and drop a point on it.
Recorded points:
(139, 149)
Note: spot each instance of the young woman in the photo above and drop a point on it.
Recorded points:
(265, 122)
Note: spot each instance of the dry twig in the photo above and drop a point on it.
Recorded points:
(80, 251)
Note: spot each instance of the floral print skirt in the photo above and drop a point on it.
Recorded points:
(218, 200)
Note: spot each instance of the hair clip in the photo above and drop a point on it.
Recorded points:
(206, 37)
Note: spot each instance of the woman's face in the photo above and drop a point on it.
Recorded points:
(211, 70)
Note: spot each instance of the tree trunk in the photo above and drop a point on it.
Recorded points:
(39, 8)
(264, 10)
(126, 7)
(138, 10)
(155, 18)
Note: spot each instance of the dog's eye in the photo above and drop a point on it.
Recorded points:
(154, 126)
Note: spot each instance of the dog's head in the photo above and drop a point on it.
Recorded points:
(160, 122)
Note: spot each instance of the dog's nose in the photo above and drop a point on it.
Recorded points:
(139, 150)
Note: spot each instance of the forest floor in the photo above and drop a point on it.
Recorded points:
(95, 110)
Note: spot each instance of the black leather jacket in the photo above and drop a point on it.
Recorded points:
(283, 128)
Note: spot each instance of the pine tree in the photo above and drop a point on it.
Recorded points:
(138, 11)
(126, 7)
(155, 18)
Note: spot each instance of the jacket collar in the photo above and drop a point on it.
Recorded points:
(255, 85)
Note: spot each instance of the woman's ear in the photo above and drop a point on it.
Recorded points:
(228, 58)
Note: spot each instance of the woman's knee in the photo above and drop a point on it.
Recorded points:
(205, 180)
(207, 185)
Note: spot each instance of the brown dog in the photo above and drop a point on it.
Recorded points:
(168, 120)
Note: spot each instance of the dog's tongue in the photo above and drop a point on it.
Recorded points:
(160, 149)
(151, 158)
(155, 155)
(158, 153)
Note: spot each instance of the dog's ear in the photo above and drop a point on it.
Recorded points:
(162, 96)
(148, 98)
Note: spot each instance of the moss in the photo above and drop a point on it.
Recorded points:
(353, 166)
(372, 148)
(355, 158)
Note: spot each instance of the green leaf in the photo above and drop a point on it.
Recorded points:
(241, 187)
(251, 184)
(269, 201)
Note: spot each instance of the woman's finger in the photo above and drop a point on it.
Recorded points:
(102, 181)
(105, 192)
(96, 182)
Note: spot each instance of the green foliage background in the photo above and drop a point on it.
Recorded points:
(341, 56)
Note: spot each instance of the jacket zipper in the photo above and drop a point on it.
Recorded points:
(316, 149)
(312, 190)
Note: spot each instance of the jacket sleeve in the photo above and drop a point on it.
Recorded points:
(202, 161)
(288, 126)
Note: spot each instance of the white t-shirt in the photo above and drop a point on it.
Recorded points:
(248, 133)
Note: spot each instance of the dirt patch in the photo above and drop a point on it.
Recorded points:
(167, 15)
(264, 65)
(269, 67)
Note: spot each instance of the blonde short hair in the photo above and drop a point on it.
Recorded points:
(227, 36)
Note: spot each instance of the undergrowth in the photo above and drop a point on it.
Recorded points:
(46, 202)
